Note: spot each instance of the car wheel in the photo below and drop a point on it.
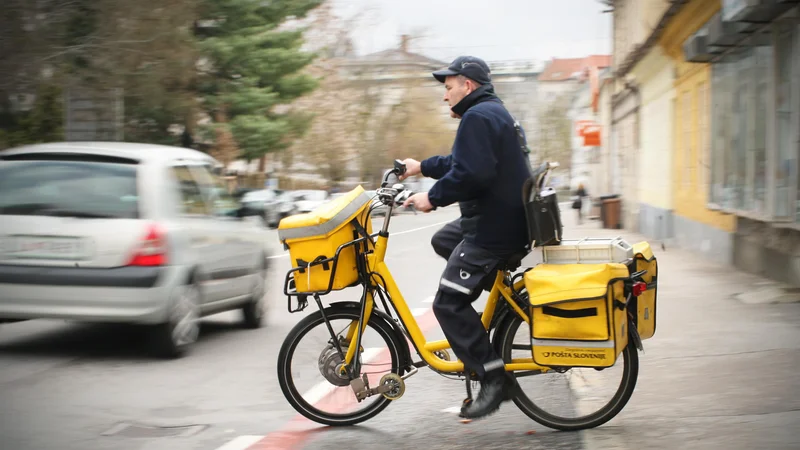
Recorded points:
(276, 219)
(175, 337)
(254, 310)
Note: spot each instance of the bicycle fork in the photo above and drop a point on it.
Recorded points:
(391, 385)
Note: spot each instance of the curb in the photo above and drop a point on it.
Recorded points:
(769, 293)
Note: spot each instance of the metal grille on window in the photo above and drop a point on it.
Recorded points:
(786, 154)
(687, 138)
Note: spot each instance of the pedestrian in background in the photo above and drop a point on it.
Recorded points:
(578, 203)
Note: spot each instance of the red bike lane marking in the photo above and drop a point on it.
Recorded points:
(300, 429)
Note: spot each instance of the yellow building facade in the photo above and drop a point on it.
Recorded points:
(695, 224)
(736, 132)
(654, 75)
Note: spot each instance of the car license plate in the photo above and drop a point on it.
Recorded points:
(45, 247)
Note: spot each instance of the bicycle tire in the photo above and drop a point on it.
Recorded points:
(313, 320)
(508, 331)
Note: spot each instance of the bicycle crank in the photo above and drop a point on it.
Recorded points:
(395, 385)
(391, 387)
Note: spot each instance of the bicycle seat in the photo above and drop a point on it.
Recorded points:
(513, 262)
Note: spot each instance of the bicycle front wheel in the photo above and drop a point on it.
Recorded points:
(576, 399)
(310, 368)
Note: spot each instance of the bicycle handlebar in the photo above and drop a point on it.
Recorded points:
(397, 194)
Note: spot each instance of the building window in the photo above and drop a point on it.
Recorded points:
(723, 76)
(702, 137)
(785, 127)
(762, 72)
(686, 138)
(739, 127)
(719, 129)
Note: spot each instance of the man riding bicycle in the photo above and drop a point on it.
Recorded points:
(484, 173)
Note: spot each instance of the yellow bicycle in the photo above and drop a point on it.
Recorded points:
(359, 356)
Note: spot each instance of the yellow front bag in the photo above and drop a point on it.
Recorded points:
(313, 239)
(578, 314)
(644, 306)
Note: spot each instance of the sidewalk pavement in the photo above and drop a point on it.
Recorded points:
(722, 370)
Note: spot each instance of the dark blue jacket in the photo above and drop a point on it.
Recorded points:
(484, 173)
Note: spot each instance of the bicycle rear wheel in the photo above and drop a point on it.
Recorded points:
(576, 399)
(308, 367)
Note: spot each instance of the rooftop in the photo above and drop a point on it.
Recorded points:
(562, 69)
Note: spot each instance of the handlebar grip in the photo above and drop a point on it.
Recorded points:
(399, 167)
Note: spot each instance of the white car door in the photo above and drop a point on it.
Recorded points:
(236, 258)
(206, 242)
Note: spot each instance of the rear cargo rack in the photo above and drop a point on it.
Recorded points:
(588, 251)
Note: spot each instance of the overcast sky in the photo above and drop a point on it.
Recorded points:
(493, 29)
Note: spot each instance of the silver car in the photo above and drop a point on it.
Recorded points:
(122, 232)
(307, 200)
(273, 205)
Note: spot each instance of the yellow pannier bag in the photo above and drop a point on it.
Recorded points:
(578, 314)
(644, 306)
(313, 239)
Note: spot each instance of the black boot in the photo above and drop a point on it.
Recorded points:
(496, 387)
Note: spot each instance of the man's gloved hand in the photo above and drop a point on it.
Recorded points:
(413, 168)
(420, 202)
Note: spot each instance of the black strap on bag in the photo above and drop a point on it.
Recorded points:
(569, 313)
(523, 145)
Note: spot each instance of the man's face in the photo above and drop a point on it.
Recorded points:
(456, 88)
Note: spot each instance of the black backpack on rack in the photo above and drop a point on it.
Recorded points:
(542, 213)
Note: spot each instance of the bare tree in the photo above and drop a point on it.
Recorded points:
(359, 124)
(553, 141)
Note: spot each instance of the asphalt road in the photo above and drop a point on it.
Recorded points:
(87, 386)
(718, 374)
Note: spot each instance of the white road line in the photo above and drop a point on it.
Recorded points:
(420, 228)
(323, 388)
(429, 299)
(416, 312)
(283, 255)
(241, 443)
(453, 410)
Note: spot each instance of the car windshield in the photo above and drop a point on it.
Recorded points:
(68, 188)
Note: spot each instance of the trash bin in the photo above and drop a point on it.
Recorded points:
(605, 205)
(611, 211)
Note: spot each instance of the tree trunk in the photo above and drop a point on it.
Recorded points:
(262, 163)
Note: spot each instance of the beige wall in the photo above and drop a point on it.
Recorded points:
(603, 173)
(634, 20)
(655, 75)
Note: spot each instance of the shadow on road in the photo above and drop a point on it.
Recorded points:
(94, 340)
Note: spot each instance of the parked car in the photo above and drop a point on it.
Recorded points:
(124, 232)
(309, 199)
(274, 205)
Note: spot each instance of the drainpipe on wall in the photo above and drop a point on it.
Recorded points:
(634, 87)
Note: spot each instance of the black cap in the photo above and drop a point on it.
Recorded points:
(469, 66)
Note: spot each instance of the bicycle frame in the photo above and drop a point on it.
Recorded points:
(425, 348)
